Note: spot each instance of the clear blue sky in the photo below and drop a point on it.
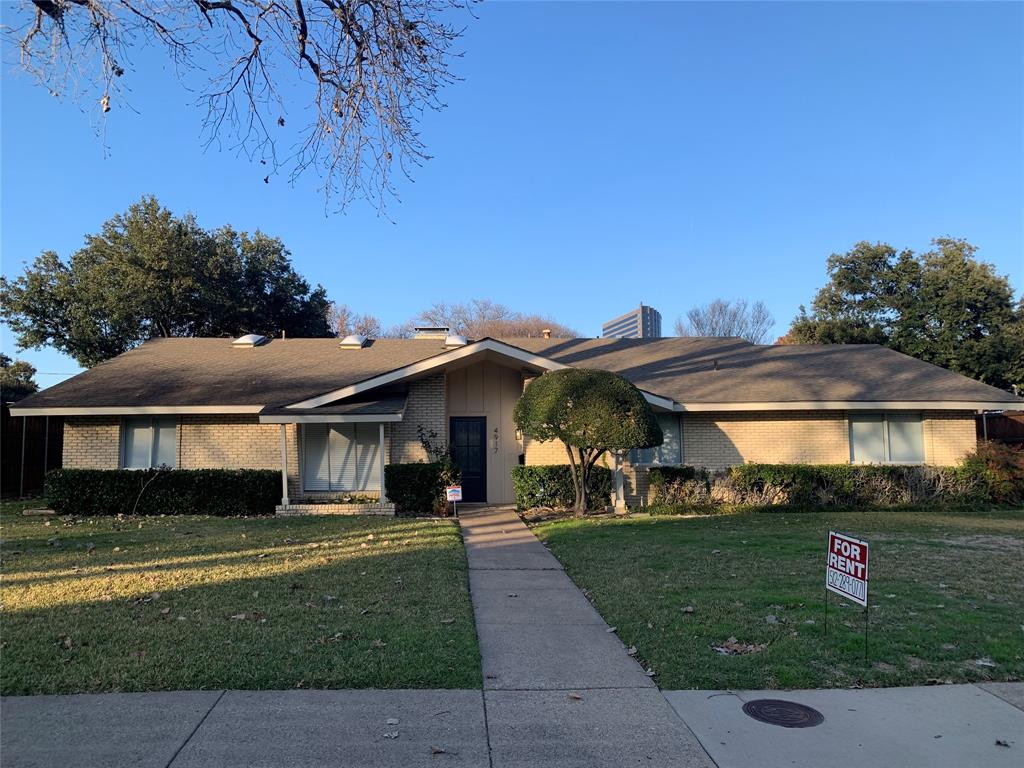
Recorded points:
(597, 155)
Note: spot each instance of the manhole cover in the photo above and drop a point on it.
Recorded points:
(788, 714)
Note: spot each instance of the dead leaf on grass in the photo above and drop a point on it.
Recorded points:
(733, 647)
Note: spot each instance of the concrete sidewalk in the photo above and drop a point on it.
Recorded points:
(255, 729)
(559, 687)
(946, 726)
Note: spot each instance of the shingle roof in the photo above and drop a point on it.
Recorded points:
(209, 372)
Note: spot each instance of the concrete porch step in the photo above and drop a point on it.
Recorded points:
(331, 508)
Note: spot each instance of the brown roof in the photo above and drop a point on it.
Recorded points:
(210, 372)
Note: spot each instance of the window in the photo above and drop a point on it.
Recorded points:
(149, 442)
(669, 452)
(341, 457)
(891, 438)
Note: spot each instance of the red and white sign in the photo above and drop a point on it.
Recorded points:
(847, 571)
(454, 492)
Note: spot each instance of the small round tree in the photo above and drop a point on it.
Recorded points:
(591, 412)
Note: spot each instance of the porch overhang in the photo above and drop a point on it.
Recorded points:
(385, 409)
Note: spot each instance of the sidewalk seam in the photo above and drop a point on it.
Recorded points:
(198, 726)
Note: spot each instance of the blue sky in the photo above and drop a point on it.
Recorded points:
(596, 155)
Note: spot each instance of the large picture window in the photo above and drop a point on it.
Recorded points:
(149, 442)
(889, 438)
(670, 452)
(341, 457)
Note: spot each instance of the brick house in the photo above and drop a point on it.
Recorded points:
(330, 415)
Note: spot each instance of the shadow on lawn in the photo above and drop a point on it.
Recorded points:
(335, 615)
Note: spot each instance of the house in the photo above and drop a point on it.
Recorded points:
(329, 415)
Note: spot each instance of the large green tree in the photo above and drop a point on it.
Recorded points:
(590, 412)
(17, 379)
(148, 273)
(943, 306)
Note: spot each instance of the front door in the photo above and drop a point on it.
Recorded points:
(468, 443)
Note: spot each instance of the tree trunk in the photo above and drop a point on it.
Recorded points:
(580, 497)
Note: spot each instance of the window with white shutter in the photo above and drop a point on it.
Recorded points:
(341, 457)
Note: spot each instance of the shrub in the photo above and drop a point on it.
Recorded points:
(417, 489)
(846, 485)
(551, 486)
(670, 486)
(219, 492)
(1001, 468)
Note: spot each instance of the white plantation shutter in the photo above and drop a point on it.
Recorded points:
(342, 457)
(316, 473)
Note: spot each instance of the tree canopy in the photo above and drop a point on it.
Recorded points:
(148, 273)
(590, 412)
(942, 306)
(728, 318)
(362, 73)
(17, 379)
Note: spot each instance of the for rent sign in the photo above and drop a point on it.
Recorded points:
(847, 571)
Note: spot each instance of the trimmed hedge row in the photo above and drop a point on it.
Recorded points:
(218, 492)
(550, 485)
(417, 489)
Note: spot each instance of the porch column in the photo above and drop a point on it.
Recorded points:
(284, 465)
(380, 465)
(620, 491)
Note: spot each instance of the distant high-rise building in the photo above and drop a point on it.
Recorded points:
(641, 323)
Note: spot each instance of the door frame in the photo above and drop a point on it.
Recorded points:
(483, 448)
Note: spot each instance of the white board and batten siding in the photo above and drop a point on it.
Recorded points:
(491, 390)
(341, 457)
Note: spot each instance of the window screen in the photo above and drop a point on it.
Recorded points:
(149, 442)
(896, 438)
(906, 439)
(669, 452)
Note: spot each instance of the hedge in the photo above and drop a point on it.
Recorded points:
(551, 486)
(219, 492)
(978, 479)
(417, 489)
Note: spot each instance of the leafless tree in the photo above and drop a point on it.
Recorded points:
(482, 317)
(343, 320)
(728, 318)
(366, 69)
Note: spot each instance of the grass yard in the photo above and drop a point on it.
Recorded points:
(101, 604)
(946, 596)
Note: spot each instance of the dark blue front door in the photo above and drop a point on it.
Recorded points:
(468, 443)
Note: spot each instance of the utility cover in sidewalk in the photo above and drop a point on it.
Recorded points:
(788, 714)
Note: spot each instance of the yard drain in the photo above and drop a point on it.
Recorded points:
(788, 714)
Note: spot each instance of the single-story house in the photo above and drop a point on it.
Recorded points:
(329, 415)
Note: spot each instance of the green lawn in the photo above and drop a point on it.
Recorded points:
(102, 604)
(947, 592)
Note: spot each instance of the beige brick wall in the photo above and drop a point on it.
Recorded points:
(92, 442)
(720, 440)
(426, 406)
(548, 452)
(948, 436)
(231, 442)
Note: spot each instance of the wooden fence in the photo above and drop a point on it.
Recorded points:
(30, 446)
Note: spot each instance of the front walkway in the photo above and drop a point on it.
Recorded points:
(559, 687)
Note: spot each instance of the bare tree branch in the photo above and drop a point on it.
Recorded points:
(375, 66)
(728, 318)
